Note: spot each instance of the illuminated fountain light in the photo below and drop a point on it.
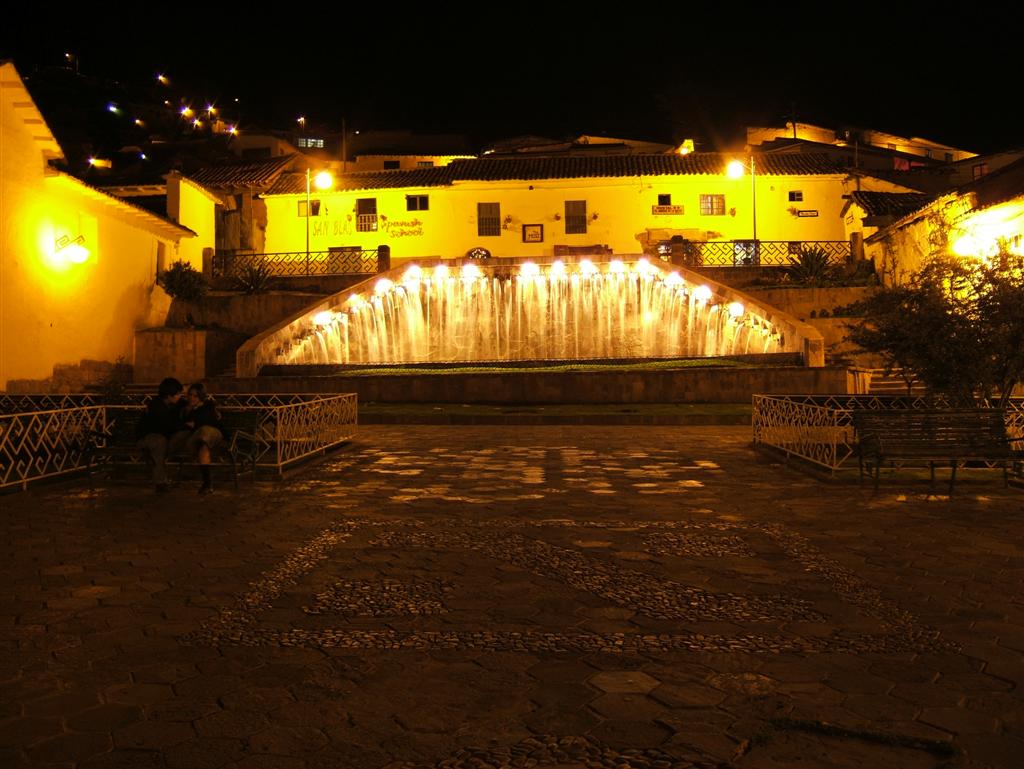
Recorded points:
(413, 275)
(617, 267)
(497, 316)
(645, 268)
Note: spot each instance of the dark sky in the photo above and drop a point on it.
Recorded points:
(665, 75)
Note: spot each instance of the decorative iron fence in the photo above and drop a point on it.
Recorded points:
(771, 253)
(298, 264)
(42, 442)
(819, 428)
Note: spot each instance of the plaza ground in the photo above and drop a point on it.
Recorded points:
(488, 596)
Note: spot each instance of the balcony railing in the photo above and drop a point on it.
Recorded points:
(743, 253)
(299, 264)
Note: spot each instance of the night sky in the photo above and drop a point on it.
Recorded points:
(664, 77)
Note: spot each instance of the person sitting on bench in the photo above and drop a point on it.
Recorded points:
(203, 419)
(161, 429)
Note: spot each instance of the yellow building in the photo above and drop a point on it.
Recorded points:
(77, 265)
(975, 220)
(534, 206)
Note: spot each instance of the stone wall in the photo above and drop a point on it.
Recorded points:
(699, 385)
(86, 376)
(245, 314)
(188, 354)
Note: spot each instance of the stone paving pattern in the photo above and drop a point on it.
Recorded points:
(516, 597)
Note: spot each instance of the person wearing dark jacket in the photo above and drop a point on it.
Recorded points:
(203, 419)
(161, 428)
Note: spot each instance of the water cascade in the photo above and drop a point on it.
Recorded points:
(549, 312)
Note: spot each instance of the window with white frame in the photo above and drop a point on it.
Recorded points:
(712, 205)
(366, 215)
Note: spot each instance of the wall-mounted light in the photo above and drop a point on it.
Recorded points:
(72, 250)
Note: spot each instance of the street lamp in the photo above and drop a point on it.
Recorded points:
(735, 170)
(322, 181)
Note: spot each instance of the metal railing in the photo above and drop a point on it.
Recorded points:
(43, 442)
(819, 428)
(770, 253)
(299, 264)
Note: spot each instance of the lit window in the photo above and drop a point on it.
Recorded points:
(417, 203)
(314, 208)
(712, 205)
(575, 217)
(366, 215)
(306, 142)
(488, 219)
(664, 200)
(424, 163)
(796, 196)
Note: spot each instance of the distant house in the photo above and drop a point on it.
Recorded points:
(241, 215)
(77, 265)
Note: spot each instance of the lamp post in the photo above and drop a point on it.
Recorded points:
(322, 181)
(735, 171)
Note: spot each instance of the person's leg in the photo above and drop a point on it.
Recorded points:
(202, 441)
(156, 445)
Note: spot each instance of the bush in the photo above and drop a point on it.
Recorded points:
(811, 267)
(254, 279)
(183, 281)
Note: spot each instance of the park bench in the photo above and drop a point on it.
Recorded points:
(117, 446)
(955, 436)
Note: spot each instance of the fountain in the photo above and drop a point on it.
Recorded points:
(527, 312)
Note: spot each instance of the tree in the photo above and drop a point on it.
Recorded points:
(958, 326)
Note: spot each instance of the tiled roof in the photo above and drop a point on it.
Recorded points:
(245, 173)
(576, 167)
(563, 167)
(891, 203)
(439, 176)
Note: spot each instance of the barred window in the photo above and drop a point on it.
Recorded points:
(575, 217)
(366, 215)
(488, 219)
(796, 196)
(664, 199)
(424, 163)
(712, 205)
(417, 202)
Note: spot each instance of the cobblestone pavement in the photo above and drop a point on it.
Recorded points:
(516, 597)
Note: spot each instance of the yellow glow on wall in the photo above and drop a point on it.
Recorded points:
(980, 234)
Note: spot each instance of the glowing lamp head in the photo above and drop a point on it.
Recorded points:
(735, 169)
(324, 318)
(383, 286)
(76, 254)
(162, 79)
(644, 267)
(587, 267)
(736, 309)
(529, 270)
(186, 111)
(674, 280)
(323, 181)
(702, 294)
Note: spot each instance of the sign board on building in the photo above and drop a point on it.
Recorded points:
(666, 209)
(810, 212)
